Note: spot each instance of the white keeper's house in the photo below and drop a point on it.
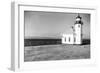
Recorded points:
(76, 37)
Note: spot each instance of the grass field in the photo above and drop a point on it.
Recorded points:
(56, 52)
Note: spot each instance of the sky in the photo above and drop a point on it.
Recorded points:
(53, 24)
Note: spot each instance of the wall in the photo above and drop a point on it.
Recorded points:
(5, 38)
(67, 39)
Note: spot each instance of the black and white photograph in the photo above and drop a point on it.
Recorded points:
(47, 36)
(56, 36)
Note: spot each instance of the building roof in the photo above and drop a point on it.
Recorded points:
(79, 16)
(78, 22)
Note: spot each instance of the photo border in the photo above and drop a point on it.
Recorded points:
(17, 36)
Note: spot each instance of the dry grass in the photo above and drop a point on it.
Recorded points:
(56, 52)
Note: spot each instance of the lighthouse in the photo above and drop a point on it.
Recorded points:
(77, 30)
(76, 37)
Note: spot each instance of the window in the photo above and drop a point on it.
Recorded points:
(65, 39)
(69, 39)
(74, 39)
(78, 25)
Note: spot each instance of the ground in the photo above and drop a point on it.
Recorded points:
(56, 52)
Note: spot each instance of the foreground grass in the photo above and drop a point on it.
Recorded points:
(56, 52)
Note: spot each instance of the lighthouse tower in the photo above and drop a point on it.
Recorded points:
(77, 32)
(76, 37)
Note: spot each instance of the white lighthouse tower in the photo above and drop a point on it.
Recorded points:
(76, 37)
(77, 30)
